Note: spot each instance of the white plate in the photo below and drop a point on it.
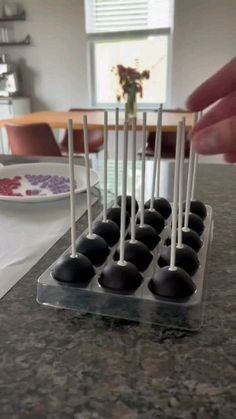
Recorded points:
(57, 169)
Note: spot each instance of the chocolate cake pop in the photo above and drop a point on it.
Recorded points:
(198, 207)
(94, 248)
(188, 260)
(105, 228)
(185, 257)
(108, 230)
(173, 282)
(151, 216)
(191, 221)
(195, 223)
(73, 268)
(91, 245)
(114, 213)
(128, 203)
(135, 252)
(153, 219)
(189, 237)
(145, 232)
(121, 275)
(161, 205)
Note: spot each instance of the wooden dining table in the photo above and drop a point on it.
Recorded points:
(59, 119)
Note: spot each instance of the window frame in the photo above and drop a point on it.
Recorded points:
(127, 35)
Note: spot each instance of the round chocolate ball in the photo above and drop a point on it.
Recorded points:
(185, 258)
(128, 203)
(137, 253)
(161, 205)
(114, 214)
(199, 208)
(189, 237)
(108, 230)
(195, 223)
(192, 239)
(77, 270)
(118, 277)
(95, 248)
(147, 235)
(154, 219)
(176, 284)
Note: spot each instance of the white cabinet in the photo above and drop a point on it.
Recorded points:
(9, 108)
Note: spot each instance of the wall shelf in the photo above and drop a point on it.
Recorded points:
(25, 42)
(20, 16)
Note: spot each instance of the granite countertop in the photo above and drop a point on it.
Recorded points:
(59, 364)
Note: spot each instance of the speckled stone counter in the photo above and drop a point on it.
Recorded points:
(58, 364)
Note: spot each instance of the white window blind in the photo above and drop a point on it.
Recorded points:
(126, 15)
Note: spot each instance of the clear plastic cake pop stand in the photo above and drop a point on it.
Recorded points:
(140, 305)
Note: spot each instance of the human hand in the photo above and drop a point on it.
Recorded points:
(215, 133)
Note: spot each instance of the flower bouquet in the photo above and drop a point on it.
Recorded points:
(130, 84)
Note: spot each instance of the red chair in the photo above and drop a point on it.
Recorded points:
(32, 140)
(168, 145)
(95, 138)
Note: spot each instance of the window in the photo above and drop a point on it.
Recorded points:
(132, 33)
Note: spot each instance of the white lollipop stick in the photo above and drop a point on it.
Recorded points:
(189, 181)
(133, 206)
(123, 199)
(199, 116)
(194, 175)
(85, 128)
(181, 175)
(143, 169)
(105, 135)
(157, 159)
(159, 153)
(175, 198)
(116, 152)
(72, 186)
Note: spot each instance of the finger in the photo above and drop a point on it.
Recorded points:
(224, 109)
(217, 139)
(230, 158)
(219, 85)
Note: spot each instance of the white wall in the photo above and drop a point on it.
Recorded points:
(54, 69)
(204, 40)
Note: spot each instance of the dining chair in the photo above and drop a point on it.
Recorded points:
(168, 145)
(32, 140)
(95, 137)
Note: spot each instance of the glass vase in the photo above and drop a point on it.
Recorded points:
(131, 105)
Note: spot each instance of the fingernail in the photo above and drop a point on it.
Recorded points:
(206, 142)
